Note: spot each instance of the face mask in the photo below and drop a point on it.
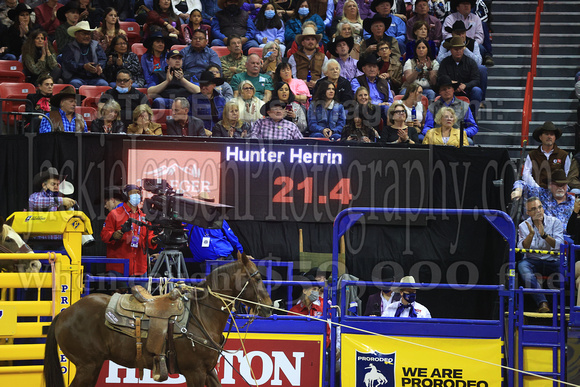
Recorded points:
(303, 11)
(410, 297)
(313, 296)
(51, 194)
(134, 199)
(270, 14)
(122, 90)
(232, 8)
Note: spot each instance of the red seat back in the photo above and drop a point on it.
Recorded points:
(16, 91)
(133, 31)
(88, 113)
(160, 116)
(93, 94)
(138, 49)
(221, 50)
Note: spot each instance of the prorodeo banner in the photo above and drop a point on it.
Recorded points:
(382, 361)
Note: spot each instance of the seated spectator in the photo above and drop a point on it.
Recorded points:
(396, 28)
(412, 103)
(376, 28)
(341, 49)
(235, 61)
(64, 119)
(231, 125)
(351, 15)
(233, 20)
(371, 114)
(262, 83)
(225, 90)
(270, 28)
(307, 62)
(46, 16)
(124, 8)
(398, 131)
(163, 19)
(38, 56)
(197, 56)
(378, 302)
(445, 133)
(420, 32)
(407, 306)
(421, 70)
(249, 105)
(390, 68)
(196, 23)
(120, 57)
(109, 120)
(294, 111)
(207, 105)
(271, 58)
(298, 86)
(326, 116)
(68, 15)
(40, 101)
(183, 123)
(302, 14)
(126, 95)
(364, 8)
(379, 88)
(341, 85)
(154, 59)
(274, 126)
(432, 22)
(89, 13)
(19, 30)
(86, 69)
(357, 129)
(109, 29)
(183, 9)
(173, 82)
(294, 47)
(539, 232)
(142, 124)
(344, 30)
(461, 108)
(556, 200)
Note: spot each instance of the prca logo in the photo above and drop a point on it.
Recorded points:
(375, 369)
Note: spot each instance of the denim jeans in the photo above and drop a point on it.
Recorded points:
(528, 267)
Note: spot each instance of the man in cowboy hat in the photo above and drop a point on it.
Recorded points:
(422, 14)
(83, 60)
(396, 28)
(462, 111)
(208, 104)
(539, 232)
(46, 16)
(340, 48)
(407, 306)
(262, 82)
(197, 56)
(376, 28)
(379, 88)
(183, 123)
(65, 119)
(274, 126)
(173, 82)
(233, 20)
(126, 95)
(68, 16)
(308, 61)
(547, 158)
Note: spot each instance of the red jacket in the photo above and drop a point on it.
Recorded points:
(122, 248)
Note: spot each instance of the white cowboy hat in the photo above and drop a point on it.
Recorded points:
(80, 26)
(409, 279)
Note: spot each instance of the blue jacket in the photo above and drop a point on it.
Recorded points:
(222, 242)
(294, 27)
(320, 118)
(271, 34)
(201, 108)
(147, 66)
(196, 62)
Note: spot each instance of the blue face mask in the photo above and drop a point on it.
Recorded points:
(303, 11)
(122, 90)
(410, 297)
(134, 199)
(52, 194)
(270, 14)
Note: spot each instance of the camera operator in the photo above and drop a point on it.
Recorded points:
(126, 239)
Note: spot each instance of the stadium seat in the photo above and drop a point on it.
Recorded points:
(88, 113)
(160, 116)
(11, 71)
(138, 49)
(133, 31)
(463, 98)
(221, 50)
(178, 47)
(255, 50)
(93, 94)
(14, 90)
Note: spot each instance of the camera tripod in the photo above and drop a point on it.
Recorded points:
(173, 259)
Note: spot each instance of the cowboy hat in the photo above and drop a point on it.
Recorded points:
(458, 26)
(558, 177)
(65, 187)
(367, 59)
(445, 80)
(80, 26)
(268, 105)
(67, 92)
(408, 279)
(204, 196)
(547, 127)
(368, 22)
(207, 77)
(332, 45)
(148, 43)
(70, 6)
(453, 42)
(20, 8)
(375, 3)
(455, 3)
(221, 3)
(307, 31)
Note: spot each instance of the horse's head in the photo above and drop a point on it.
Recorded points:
(11, 242)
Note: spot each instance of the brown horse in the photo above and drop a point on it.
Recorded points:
(81, 333)
(11, 242)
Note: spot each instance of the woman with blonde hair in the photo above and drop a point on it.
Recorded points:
(231, 125)
(445, 133)
(248, 104)
(351, 15)
(142, 124)
(346, 30)
(109, 120)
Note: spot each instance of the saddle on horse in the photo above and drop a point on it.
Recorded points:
(144, 316)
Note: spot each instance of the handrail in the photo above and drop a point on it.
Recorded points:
(528, 98)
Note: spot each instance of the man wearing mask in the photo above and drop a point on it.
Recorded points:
(407, 307)
(126, 95)
(125, 239)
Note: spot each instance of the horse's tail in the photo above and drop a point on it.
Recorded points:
(52, 370)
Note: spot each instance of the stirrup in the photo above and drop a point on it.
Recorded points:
(159, 371)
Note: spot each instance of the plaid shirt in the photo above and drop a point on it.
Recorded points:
(41, 201)
(46, 126)
(268, 129)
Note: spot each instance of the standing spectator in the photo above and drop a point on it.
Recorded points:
(270, 27)
(274, 126)
(208, 105)
(38, 56)
(109, 29)
(162, 18)
(126, 95)
(197, 56)
(433, 23)
(422, 70)
(20, 29)
(235, 62)
(46, 16)
(298, 86)
(398, 131)
(397, 27)
(231, 125)
(390, 68)
(294, 111)
(307, 62)
(341, 48)
(64, 119)
(119, 57)
(68, 15)
(342, 87)
(249, 105)
(445, 133)
(183, 123)
(326, 116)
(109, 120)
(142, 122)
(153, 60)
(302, 14)
(232, 20)
(376, 28)
(262, 82)
(196, 23)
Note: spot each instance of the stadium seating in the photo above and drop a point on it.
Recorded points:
(93, 94)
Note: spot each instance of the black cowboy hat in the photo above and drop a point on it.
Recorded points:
(332, 45)
(61, 12)
(455, 3)
(14, 13)
(52, 173)
(367, 59)
(445, 80)
(368, 22)
(547, 127)
(66, 92)
(207, 77)
(148, 43)
(458, 26)
(264, 109)
(377, 2)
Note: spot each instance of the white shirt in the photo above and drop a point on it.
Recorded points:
(527, 173)
(421, 310)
